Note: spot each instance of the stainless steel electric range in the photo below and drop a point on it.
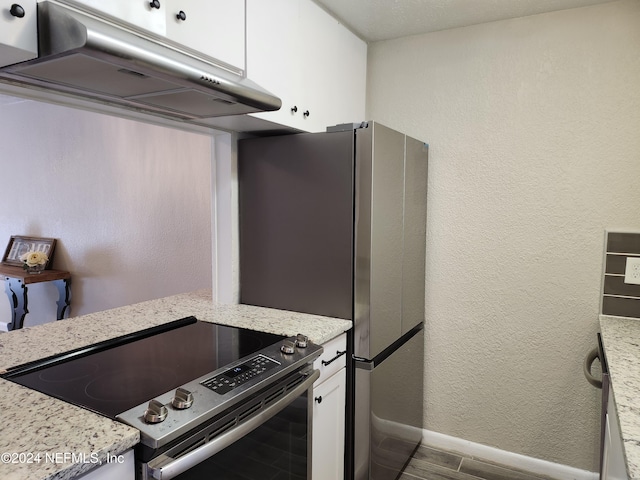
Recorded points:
(207, 398)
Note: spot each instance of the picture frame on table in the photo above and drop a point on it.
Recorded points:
(19, 245)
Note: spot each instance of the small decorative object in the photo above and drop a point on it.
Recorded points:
(20, 246)
(34, 261)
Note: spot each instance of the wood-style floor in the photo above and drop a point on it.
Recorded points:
(430, 464)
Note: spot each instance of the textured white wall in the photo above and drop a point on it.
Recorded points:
(129, 202)
(534, 133)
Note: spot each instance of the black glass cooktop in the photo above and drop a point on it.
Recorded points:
(117, 375)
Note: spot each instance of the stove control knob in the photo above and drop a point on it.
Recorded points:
(288, 347)
(183, 399)
(302, 341)
(156, 412)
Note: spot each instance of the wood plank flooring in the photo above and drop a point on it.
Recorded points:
(430, 464)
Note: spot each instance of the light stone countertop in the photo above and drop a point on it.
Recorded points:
(31, 422)
(621, 339)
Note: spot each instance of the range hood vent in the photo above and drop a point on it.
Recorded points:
(86, 57)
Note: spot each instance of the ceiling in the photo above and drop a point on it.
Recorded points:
(376, 20)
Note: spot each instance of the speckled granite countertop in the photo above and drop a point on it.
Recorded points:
(621, 339)
(35, 423)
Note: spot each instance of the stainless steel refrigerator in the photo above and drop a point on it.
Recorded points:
(334, 224)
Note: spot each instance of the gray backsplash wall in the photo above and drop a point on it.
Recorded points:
(619, 298)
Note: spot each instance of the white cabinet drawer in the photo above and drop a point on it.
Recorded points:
(332, 359)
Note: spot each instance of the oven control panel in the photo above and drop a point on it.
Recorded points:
(195, 404)
(236, 376)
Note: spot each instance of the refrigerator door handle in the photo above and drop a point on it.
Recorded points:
(363, 363)
(371, 363)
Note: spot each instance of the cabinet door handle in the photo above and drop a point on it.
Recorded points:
(306, 113)
(16, 10)
(329, 362)
(294, 109)
(586, 367)
(318, 399)
(181, 15)
(154, 4)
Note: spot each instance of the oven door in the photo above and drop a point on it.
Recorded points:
(266, 437)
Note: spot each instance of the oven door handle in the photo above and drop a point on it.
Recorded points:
(166, 468)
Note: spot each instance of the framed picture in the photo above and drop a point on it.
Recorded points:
(20, 245)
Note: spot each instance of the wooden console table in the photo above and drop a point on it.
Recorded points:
(15, 282)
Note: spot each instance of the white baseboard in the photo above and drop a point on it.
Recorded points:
(502, 457)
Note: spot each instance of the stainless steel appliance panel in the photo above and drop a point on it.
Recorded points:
(296, 222)
(387, 434)
(362, 424)
(362, 243)
(415, 233)
(378, 317)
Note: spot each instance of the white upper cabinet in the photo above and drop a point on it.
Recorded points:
(18, 34)
(334, 70)
(312, 62)
(272, 51)
(212, 27)
(147, 15)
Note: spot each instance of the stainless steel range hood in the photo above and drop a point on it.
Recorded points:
(90, 58)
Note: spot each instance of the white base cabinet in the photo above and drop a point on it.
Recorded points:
(328, 428)
(613, 463)
(329, 396)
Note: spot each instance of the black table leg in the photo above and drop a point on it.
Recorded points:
(17, 292)
(64, 297)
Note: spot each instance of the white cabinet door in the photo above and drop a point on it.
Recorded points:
(212, 27)
(329, 394)
(328, 428)
(314, 64)
(272, 52)
(333, 63)
(143, 14)
(18, 31)
(613, 463)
